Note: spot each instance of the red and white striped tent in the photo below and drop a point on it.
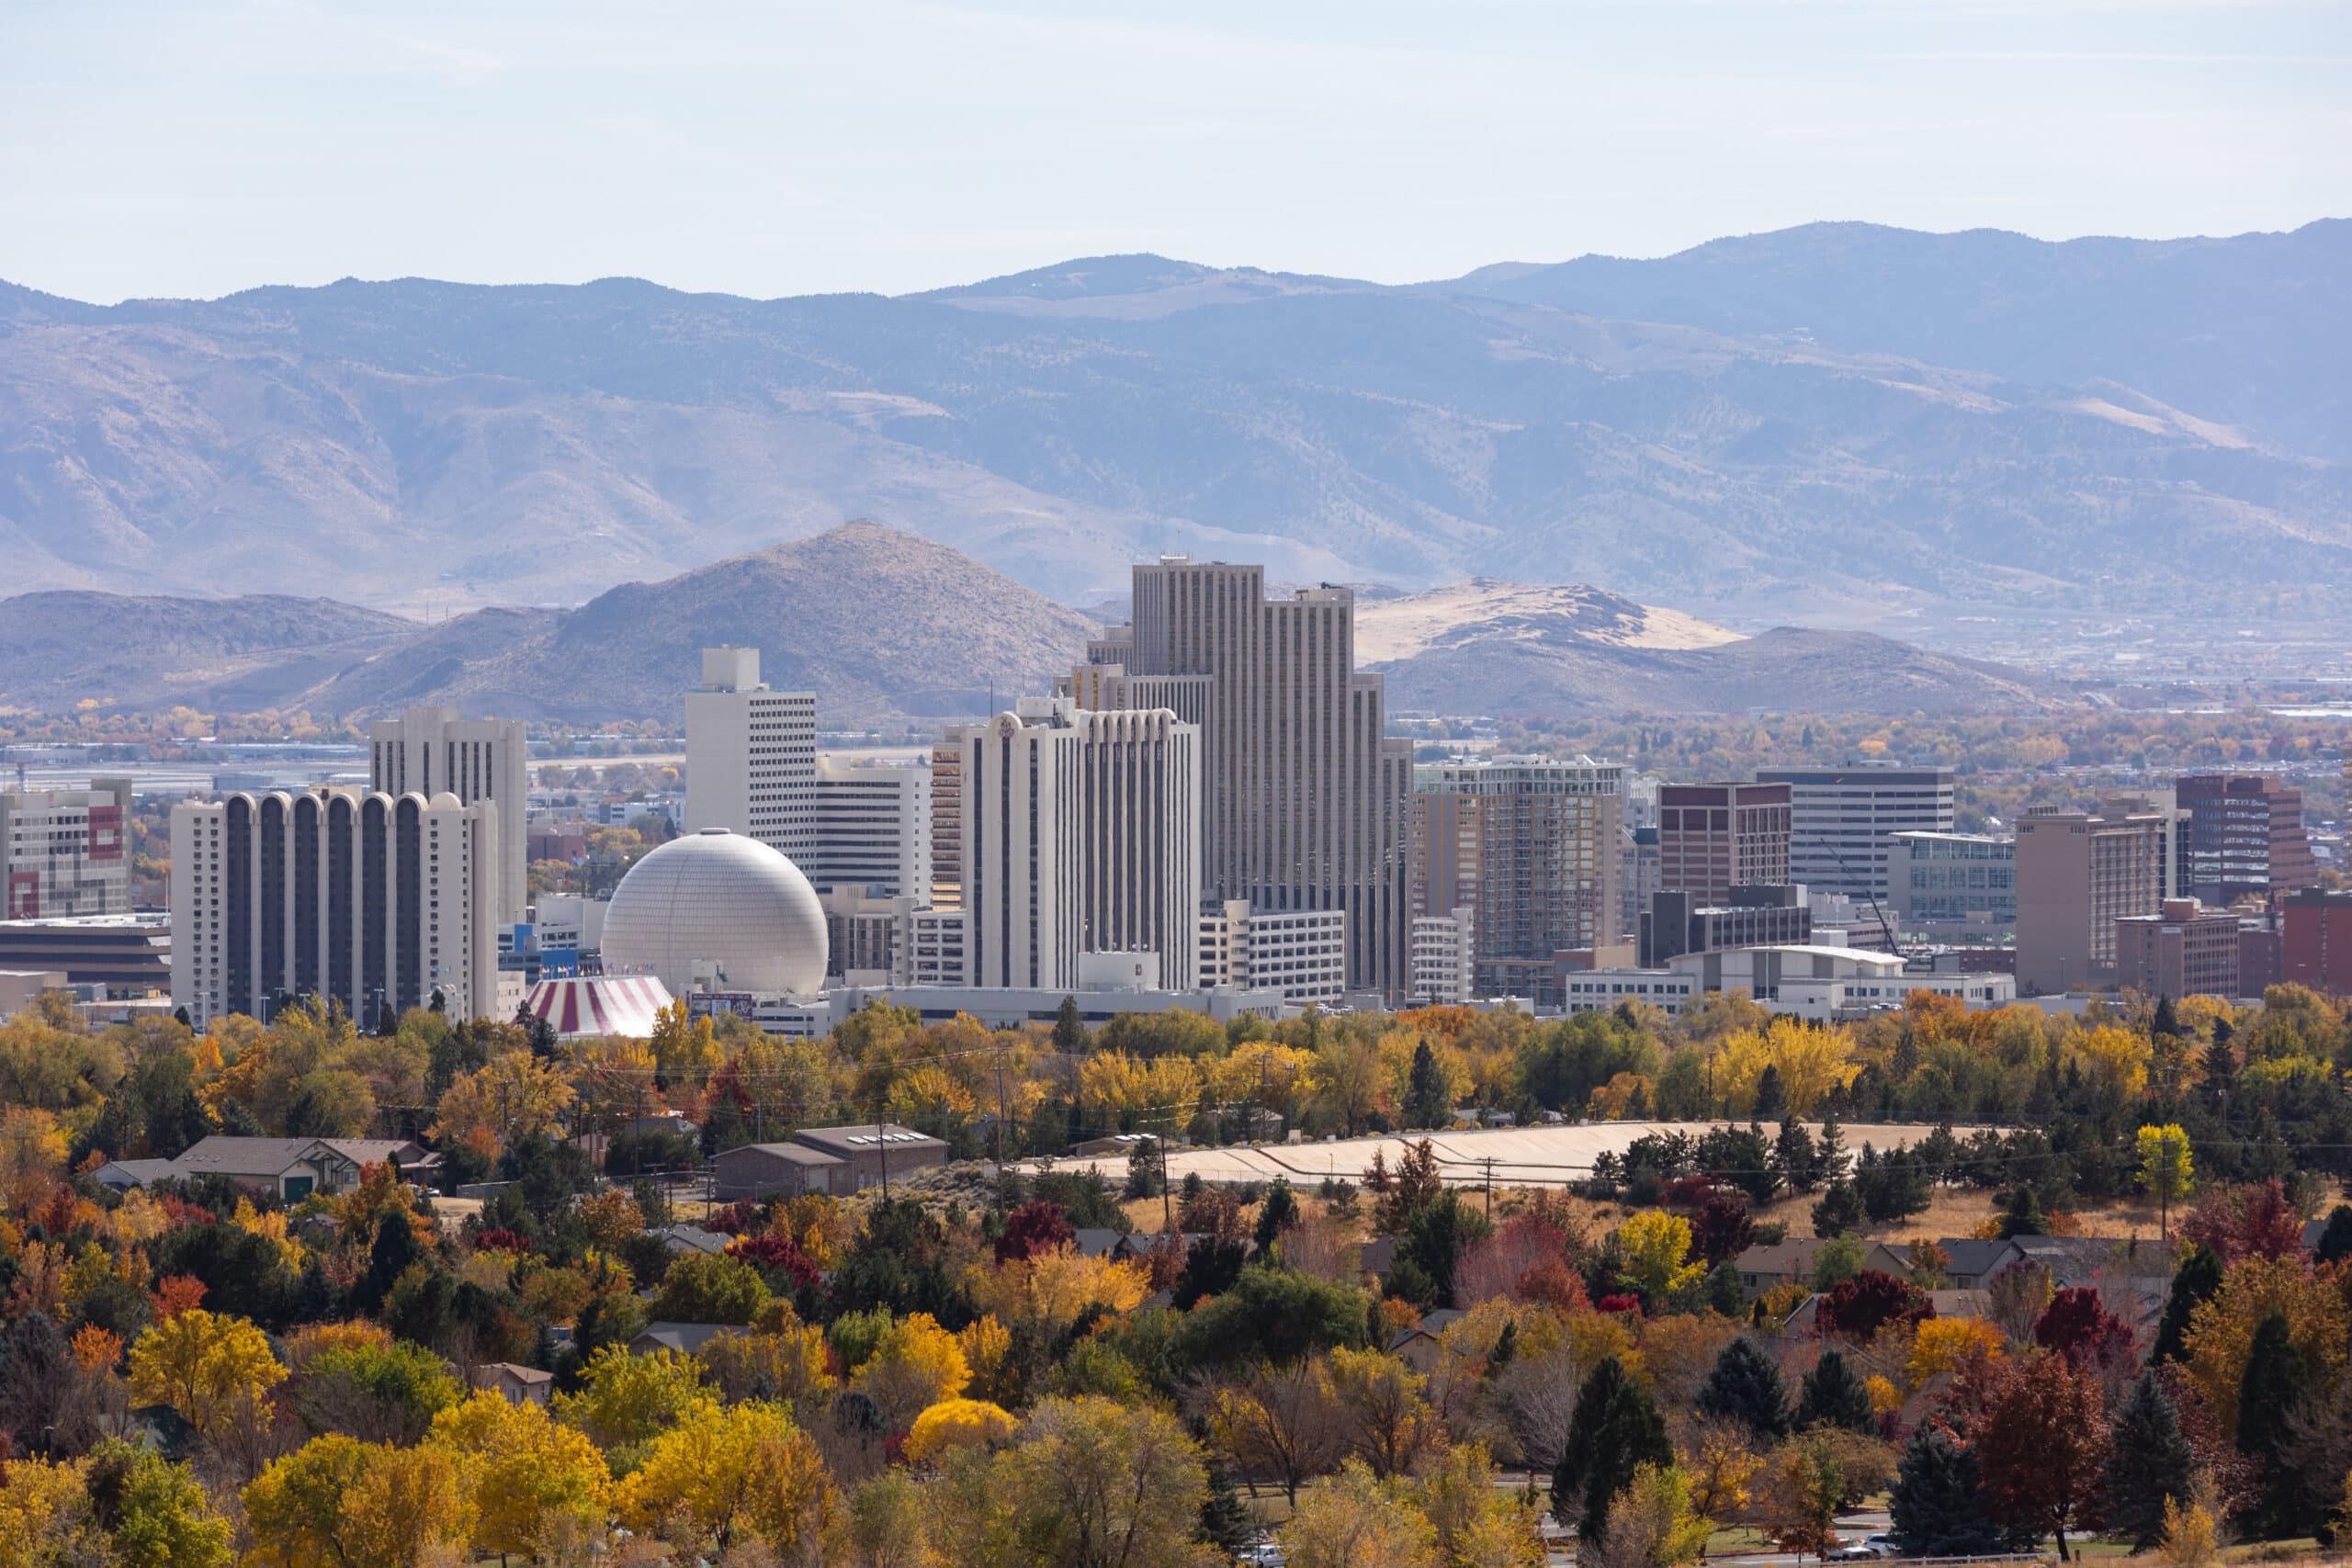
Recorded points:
(591, 1005)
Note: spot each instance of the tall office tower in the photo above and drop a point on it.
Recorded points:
(872, 828)
(1305, 800)
(1840, 818)
(1532, 845)
(2077, 874)
(428, 750)
(947, 819)
(2243, 833)
(63, 852)
(751, 755)
(1712, 837)
(1082, 835)
(368, 899)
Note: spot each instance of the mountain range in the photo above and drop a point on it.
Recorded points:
(1823, 425)
(884, 626)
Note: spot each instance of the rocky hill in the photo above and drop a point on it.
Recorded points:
(1483, 647)
(1828, 425)
(878, 622)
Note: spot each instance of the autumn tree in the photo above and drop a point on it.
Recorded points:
(357, 1504)
(1278, 1422)
(918, 1364)
(1382, 1414)
(1858, 1308)
(535, 1481)
(206, 1368)
(2077, 1325)
(2042, 1440)
(739, 1470)
(1353, 1522)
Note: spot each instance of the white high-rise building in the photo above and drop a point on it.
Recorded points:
(872, 828)
(62, 851)
(428, 750)
(1304, 795)
(1080, 836)
(1842, 821)
(751, 755)
(1302, 953)
(1444, 958)
(368, 899)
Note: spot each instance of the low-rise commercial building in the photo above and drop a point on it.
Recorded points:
(130, 955)
(1810, 982)
(1676, 923)
(1952, 886)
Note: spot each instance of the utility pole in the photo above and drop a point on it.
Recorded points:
(1002, 1113)
(1490, 1187)
(882, 1142)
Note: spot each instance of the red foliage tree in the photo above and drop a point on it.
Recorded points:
(1495, 1266)
(1031, 1229)
(1722, 1230)
(177, 1293)
(1863, 1305)
(770, 1253)
(1691, 1192)
(1621, 1304)
(2042, 1438)
(2245, 1222)
(499, 1239)
(734, 1218)
(2077, 1325)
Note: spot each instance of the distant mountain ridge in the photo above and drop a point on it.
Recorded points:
(1823, 424)
(883, 624)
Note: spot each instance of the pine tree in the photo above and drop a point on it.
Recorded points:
(2167, 1022)
(2149, 1463)
(2198, 1281)
(1278, 1213)
(2022, 1215)
(2266, 1398)
(1069, 1032)
(1939, 1506)
(1506, 1349)
(1829, 1150)
(1426, 1101)
(1795, 1160)
(1771, 1094)
(1745, 1386)
(1833, 1396)
(1840, 1210)
(2335, 1236)
(1616, 1429)
(1226, 1523)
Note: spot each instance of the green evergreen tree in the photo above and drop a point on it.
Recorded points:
(1226, 1523)
(1506, 1349)
(1616, 1429)
(1278, 1213)
(2167, 1022)
(2335, 1236)
(1745, 1386)
(1939, 1506)
(1721, 1292)
(1833, 1396)
(1069, 1032)
(2148, 1461)
(1771, 1094)
(1427, 1104)
(1840, 1210)
(2022, 1213)
(2268, 1394)
(1795, 1160)
(2198, 1281)
(1829, 1149)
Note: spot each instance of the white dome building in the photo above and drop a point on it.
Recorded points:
(725, 906)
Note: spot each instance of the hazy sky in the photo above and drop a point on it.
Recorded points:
(196, 147)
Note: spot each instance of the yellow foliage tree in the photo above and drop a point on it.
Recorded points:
(627, 1399)
(1943, 1344)
(514, 1096)
(918, 1365)
(2220, 1331)
(41, 1504)
(743, 1469)
(1656, 1248)
(2191, 1538)
(685, 1049)
(1354, 1521)
(33, 1156)
(1051, 1289)
(1653, 1523)
(2114, 1057)
(206, 1367)
(1812, 1061)
(535, 1481)
(1721, 1469)
(1163, 1091)
(954, 1425)
(1386, 1420)
(357, 1504)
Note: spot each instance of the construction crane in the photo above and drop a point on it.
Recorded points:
(1885, 928)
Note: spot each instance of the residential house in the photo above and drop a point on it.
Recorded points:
(288, 1169)
(1793, 1262)
(686, 1338)
(520, 1384)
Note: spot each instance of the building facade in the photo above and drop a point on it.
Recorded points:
(1676, 923)
(1952, 883)
(1304, 798)
(1532, 844)
(1444, 958)
(63, 852)
(1840, 820)
(371, 900)
(1302, 953)
(428, 751)
(1715, 837)
(751, 755)
(1082, 835)
(2185, 950)
(872, 828)
(2315, 940)
(2242, 834)
(2078, 874)
(127, 954)
(931, 949)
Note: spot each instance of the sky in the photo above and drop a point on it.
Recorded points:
(191, 148)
